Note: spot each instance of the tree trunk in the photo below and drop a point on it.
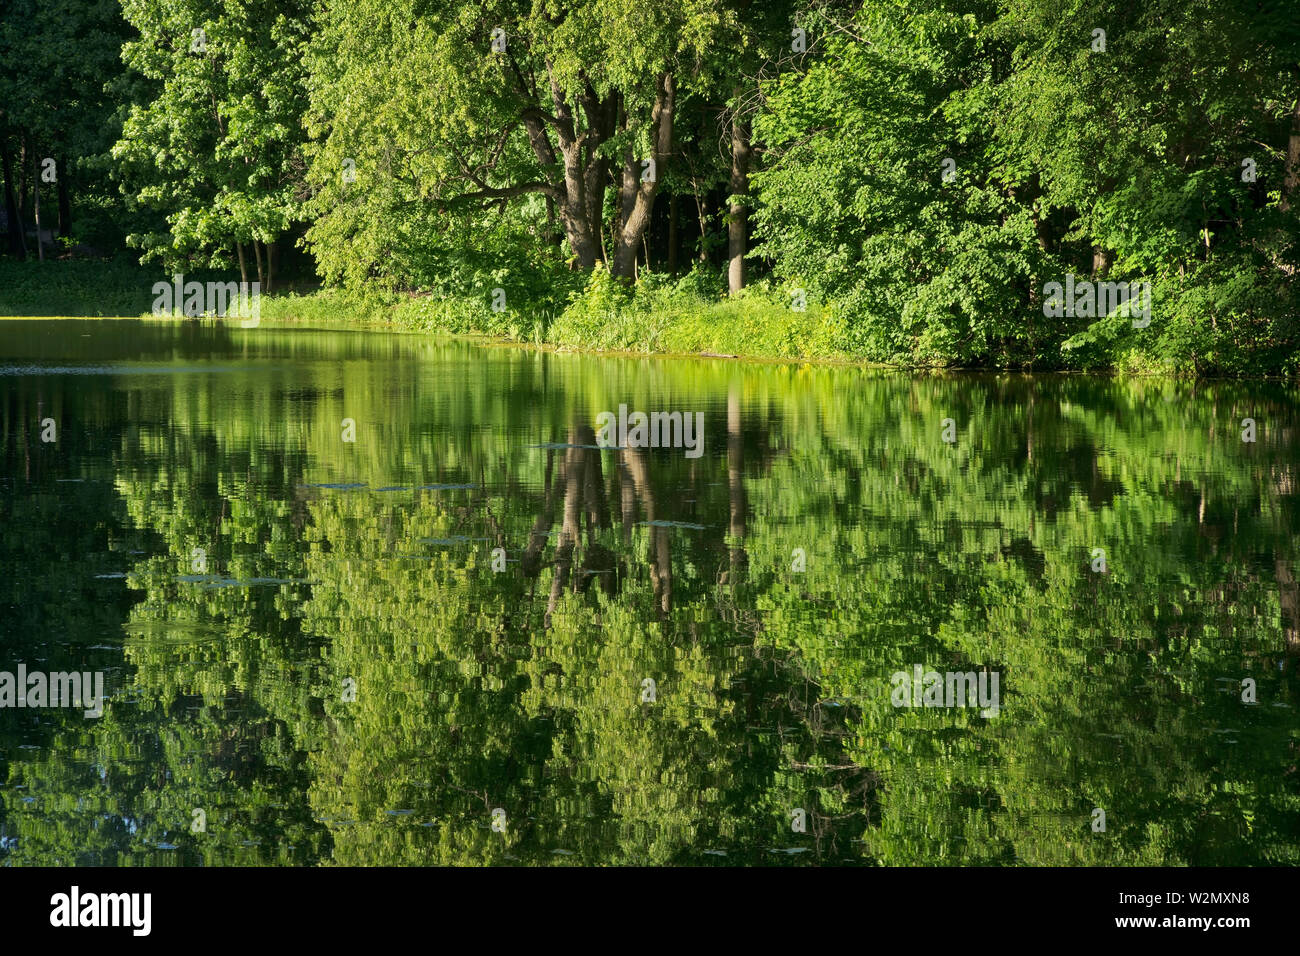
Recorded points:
(17, 242)
(24, 206)
(627, 189)
(571, 194)
(243, 263)
(1292, 183)
(702, 210)
(673, 238)
(638, 218)
(1040, 230)
(36, 199)
(738, 212)
(257, 257)
(575, 171)
(602, 118)
(65, 199)
(1100, 262)
(270, 266)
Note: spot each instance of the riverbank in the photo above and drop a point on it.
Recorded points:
(596, 313)
(658, 317)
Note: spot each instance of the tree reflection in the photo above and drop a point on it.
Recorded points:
(523, 689)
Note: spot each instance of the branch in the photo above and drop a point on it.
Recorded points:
(508, 192)
(563, 112)
(465, 167)
(523, 88)
(535, 112)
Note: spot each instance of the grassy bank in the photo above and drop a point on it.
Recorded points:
(595, 313)
(91, 288)
(75, 287)
(685, 316)
(658, 316)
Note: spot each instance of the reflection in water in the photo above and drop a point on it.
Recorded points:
(354, 678)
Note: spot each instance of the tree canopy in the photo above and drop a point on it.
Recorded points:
(918, 172)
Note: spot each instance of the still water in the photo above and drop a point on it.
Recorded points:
(472, 635)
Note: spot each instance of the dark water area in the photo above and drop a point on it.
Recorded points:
(476, 633)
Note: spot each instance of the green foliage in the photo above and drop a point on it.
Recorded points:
(87, 288)
(434, 122)
(216, 148)
(656, 315)
(1062, 153)
(921, 171)
(853, 201)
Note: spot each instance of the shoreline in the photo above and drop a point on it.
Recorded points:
(490, 340)
(601, 318)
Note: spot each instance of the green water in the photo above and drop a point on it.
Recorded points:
(343, 676)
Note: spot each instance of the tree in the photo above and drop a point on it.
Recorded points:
(571, 103)
(215, 145)
(56, 109)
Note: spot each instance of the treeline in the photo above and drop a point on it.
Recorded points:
(911, 174)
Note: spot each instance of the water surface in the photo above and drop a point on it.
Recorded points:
(347, 670)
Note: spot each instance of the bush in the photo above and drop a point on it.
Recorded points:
(657, 316)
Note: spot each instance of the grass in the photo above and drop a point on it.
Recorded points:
(75, 287)
(688, 316)
(656, 316)
(119, 288)
(754, 324)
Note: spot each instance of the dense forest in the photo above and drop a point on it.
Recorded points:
(897, 182)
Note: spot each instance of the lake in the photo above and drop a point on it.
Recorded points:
(370, 598)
